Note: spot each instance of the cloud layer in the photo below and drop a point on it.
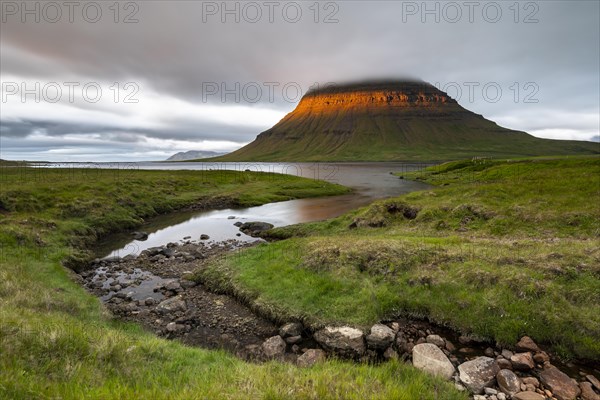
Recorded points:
(212, 75)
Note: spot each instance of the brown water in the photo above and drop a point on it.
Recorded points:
(370, 181)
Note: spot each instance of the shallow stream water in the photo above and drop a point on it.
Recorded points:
(369, 181)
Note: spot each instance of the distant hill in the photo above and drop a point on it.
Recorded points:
(392, 120)
(8, 163)
(193, 155)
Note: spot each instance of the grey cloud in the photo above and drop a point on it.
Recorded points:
(172, 52)
(186, 130)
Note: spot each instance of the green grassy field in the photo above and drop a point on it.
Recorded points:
(57, 341)
(499, 250)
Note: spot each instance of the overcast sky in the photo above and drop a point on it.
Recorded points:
(147, 79)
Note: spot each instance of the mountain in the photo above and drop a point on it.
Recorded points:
(193, 155)
(392, 120)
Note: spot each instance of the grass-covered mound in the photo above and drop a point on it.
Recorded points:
(57, 341)
(501, 249)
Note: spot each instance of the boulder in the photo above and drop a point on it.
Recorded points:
(437, 340)
(429, 358)
(204, 236)
(594, 381)
(522, 361)
(503, 363)
(344, 341)
(310, 358)
(171, 305)
(173, 285)
(273, 346)
(508, 382)
(527, 344)
(167, 252)
(559, 383)
(380, 337)
(291, 329)
(528, 396)
(255, 228)
(587, 392)
(141, 236)
(478, 373)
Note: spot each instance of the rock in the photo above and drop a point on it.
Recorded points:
(231, 217)
(507, 354)
(479, 397)
(238, 224)
(291, 329)
(530, 380)
(490, 391)
(167, 252)
(527, 344)
(344, 341)
(173, 286)
(594, 381)
(541, 357)
(174, 327)
(185, 284)
(149, 301)
(380, 337)
(528, 396)
(508, 382)
(503, 363)
(522, 361)
(293, 339)
(204, 237)
(390, 354)
(171, 305)
(429, 358)
(478, 373)
(273, 346)
(141, 236)
(437, 340)
(501, 396)
(459, 387)
(255, 228)
(310, 358)
(587, 393)
(489, 352)
(559, 383)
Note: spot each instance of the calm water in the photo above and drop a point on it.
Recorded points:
(370, 181)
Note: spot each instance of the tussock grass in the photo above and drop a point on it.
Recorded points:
(501, 249)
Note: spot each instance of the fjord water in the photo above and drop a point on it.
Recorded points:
(369, 181)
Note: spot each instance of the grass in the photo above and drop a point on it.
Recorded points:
(57, 341)
(498, 250)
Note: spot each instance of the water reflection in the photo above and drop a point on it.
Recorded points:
(370, 181)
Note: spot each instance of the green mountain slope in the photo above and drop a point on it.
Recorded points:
(384, 121)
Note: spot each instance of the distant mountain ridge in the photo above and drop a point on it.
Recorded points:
(193, 155)
(389, 121)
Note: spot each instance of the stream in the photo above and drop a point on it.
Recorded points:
(370, 181)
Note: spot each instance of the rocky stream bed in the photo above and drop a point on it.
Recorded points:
(155, 289)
